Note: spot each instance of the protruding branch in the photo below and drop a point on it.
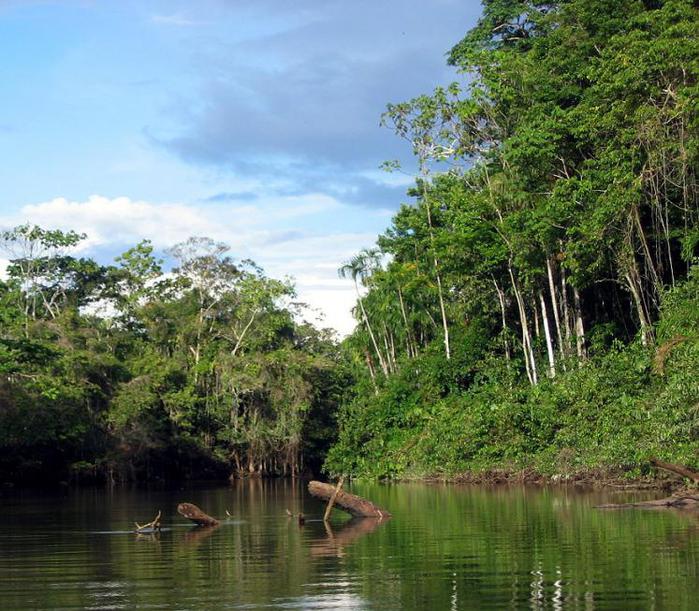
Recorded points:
(153, 525)
(331, 502)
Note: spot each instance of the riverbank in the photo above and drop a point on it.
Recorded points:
(589, 480)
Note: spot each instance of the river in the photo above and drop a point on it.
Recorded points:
(447, 547)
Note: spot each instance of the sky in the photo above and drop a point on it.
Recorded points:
(252, 122)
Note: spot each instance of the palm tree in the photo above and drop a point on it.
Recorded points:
(359, 268)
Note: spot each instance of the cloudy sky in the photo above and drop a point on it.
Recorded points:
(254, 122)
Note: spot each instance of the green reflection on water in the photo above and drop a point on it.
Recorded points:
(446, 547)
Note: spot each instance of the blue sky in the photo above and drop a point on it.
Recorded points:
(254, 122)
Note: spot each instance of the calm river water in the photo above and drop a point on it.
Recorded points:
(447, 547)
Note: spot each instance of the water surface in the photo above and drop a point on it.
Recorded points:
(447, 547)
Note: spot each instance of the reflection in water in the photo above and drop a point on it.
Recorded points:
(447, 547)
(153, 537)
(334, 543)
(196, 534)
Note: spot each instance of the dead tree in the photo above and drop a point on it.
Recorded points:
(351, 503)
(196, 515)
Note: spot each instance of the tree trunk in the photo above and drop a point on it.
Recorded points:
(579, 327)
(554, 303)
(442, 309)
(196, 515)
(384, 368)
(633, 283)
(372, 375)
(566, 311)
(547, 333)
(351, 503)
(408, 332)
(529, 359)
(501, 299)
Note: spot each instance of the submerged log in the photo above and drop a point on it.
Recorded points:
(351, 503)
(196, 515)
(684, 501)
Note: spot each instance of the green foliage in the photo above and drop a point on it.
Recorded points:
(537, 307)
(609, 415)
(202, 372)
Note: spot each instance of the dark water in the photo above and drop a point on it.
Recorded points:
(447, 547)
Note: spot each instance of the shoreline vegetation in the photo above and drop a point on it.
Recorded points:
(125, 373)
(535, 308)
(530, 314)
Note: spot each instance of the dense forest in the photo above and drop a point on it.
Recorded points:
(124, 372)
(533, 307)
(536, 307)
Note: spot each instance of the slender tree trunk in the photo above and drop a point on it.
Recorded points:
(529, 360)
(554, 304)
(447, 349)
(650, 264)
(388, 350)
(384, 368)
(633, 283)
(408, 332)
(372, 374)
(501, 299)
(547, 333)
(566, 311)
(438, 276)
(579, 327)
(390, 360)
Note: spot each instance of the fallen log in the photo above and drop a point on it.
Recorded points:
(678, 469)
(685, 501)
(351, 503)
(196, 515)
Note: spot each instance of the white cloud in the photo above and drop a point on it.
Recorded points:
(271, 232)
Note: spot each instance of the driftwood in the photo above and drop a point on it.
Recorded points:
(678, 469)
(151, 527)
(196, 515)
(684, 501)
(351, 503)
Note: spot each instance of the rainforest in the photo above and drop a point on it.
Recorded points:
(531, 310)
